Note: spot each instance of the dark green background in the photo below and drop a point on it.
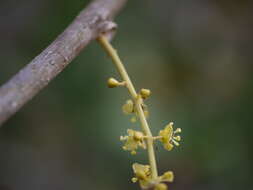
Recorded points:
(195, 56)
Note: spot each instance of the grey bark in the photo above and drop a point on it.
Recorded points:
(40, 71)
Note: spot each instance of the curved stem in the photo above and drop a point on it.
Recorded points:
(136, 98)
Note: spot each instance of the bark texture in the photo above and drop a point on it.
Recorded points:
(22, 87)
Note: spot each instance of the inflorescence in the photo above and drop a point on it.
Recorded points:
(146, 175)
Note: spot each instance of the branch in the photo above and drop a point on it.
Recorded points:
(87, 26)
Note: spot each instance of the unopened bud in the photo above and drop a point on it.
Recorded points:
(145, 93)
(112, 83)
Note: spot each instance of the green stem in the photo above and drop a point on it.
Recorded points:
(136, 98)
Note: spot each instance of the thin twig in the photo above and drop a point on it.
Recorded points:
(135, 97)
(39, 72)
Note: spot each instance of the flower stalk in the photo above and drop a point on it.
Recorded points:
(136, 99)
(146, 175)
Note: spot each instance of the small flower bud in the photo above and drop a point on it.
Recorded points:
(145, 93)
(128, 107)
(112, 83)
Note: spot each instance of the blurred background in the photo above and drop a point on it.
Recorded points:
(195, 56)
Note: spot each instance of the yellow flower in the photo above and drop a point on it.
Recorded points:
(142, 174)
(168, 137)
(134, 139)
(128, 107)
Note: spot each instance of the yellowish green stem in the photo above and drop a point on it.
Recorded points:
(154, 138)
(136, 98)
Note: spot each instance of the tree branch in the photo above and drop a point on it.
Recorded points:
(40, 71)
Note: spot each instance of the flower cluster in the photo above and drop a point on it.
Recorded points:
(143, 175)
(146, 175)
(137, 139)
